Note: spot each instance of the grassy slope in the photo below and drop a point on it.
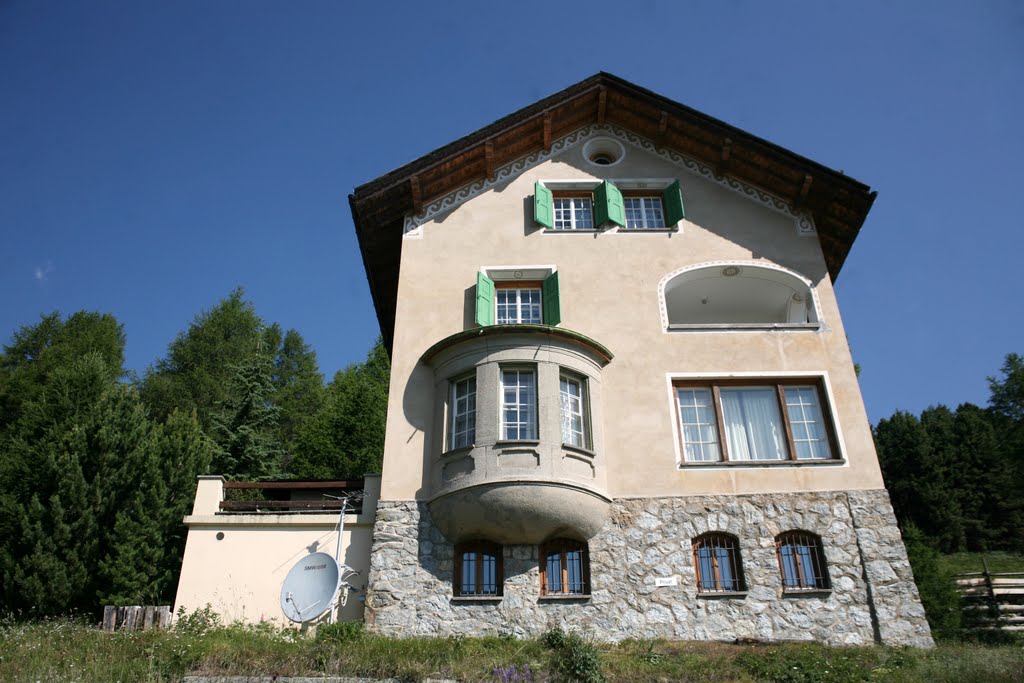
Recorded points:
(961, 563)
(64, 651)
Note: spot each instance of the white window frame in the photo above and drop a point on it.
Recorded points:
(646, 204)
(519, 306)
(570, 407)
(462, 406)
(828, 411)
(525, 429)
(576, 205)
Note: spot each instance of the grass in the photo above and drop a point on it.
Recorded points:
(962, 563)
(69, 651)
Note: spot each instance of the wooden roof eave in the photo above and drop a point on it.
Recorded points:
(839, 204)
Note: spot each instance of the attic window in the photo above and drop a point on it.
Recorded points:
(603, 151)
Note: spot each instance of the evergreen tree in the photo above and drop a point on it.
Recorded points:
(196, 374)
(245, 427)
(298, 384)
(346, 438)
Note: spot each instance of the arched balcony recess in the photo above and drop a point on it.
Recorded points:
(516, 446)
(733, 295)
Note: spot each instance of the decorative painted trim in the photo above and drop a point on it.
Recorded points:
(413, 223)
(663, 307)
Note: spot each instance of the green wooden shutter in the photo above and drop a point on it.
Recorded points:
(543, 206)
(552, 309)
(608, 205)
(673, 200)
(484, 300)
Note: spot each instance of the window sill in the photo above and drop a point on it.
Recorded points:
(635, 231)
(765, 463)
(722, 595)
(461, 450)
(476, 598)
(571, 231)
(806, 592)
(506, 443)
(564, 598)
(579, 449)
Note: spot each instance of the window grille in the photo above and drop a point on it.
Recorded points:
(719, 567)
(801, 561)
(478, 570)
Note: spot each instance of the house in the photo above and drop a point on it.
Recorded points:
(622, 399)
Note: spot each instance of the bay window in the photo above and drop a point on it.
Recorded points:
(518, 404)
(462, 428)
(572, 395)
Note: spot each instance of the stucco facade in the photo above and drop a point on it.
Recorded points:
(633, 497)
(235, 563)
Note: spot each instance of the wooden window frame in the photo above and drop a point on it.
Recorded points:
(779, 384)
(563, 546)
(819, 578)
(480, 548)
(731, 544)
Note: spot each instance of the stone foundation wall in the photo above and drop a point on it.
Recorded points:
(873, 597)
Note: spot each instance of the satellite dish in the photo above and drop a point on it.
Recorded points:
(310, 588)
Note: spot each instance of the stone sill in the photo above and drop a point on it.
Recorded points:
(477, 598)
(579, 449)
(461, 450)
(724, 595)
(834, 462)
(638, 231)
(512, 443)
(808, 593)
(564, 598)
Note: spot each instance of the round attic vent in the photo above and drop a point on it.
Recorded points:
(603, 151)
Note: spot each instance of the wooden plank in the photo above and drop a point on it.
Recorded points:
(147, 619)
(164, 616)
(252, 505)
(547, 131)
(109, 618)
(489, 159)
(602, 104)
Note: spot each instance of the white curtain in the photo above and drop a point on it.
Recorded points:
(753, 426)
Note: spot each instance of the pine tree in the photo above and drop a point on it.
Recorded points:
(244, 426)
(346, 438)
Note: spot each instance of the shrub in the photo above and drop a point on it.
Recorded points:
(577, 660)
(197, 622)
(935, 584)
(340, 632)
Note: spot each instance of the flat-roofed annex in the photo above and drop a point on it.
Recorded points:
(839, 204)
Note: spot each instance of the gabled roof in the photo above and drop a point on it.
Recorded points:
(838, 203)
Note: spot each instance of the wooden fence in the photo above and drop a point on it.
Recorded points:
(992, 600)
(136, 618)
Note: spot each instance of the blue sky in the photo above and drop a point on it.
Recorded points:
(155, 155)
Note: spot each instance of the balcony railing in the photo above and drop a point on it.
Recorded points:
(283, 497)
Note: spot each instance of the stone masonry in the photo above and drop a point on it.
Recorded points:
(872, 599)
